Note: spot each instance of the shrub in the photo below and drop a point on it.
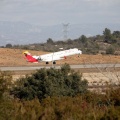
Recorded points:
(51, 82)
(110, 50)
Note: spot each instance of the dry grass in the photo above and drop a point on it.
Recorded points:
(14, 57)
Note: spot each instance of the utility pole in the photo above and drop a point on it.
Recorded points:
(65, 30)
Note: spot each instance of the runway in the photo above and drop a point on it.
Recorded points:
(89, 66)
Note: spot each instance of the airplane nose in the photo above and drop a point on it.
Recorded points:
(80, 52)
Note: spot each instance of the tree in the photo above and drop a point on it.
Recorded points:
(83, 39)
(8, 45)
(51, 82)
(69, 41)
(107, 35)
(50, 41)
(116, 34)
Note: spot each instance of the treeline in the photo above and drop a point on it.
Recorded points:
(51, 94)
(108, 43)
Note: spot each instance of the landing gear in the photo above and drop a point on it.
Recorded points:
(54, 62)
(78, 55)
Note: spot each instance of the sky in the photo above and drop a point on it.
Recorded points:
(53, 12)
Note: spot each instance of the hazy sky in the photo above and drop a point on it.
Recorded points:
(52, 12)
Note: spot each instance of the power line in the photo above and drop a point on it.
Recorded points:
(65, 31)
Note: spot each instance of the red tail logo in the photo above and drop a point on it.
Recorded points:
(29, 57)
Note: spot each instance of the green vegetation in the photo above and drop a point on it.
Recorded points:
(50, 82)
(88, 45)
(53, 94)
(110, 50)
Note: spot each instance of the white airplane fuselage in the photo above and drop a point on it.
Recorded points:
(55, 55)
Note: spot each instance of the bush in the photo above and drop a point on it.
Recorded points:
(8, 45)
(60, 106)
(51, 82)
(5, 82)
(110, 50)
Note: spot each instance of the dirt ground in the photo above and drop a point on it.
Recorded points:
(15, 57)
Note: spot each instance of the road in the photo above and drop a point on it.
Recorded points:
(90, 66)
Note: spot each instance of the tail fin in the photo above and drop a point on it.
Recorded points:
(29, 57)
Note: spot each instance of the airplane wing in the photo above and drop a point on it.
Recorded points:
(52, 59)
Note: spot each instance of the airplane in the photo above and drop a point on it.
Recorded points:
(51, 57)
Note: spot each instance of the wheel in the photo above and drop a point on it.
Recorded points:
(54, 62)
(47, 62)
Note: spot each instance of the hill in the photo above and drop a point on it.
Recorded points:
(24, 33)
